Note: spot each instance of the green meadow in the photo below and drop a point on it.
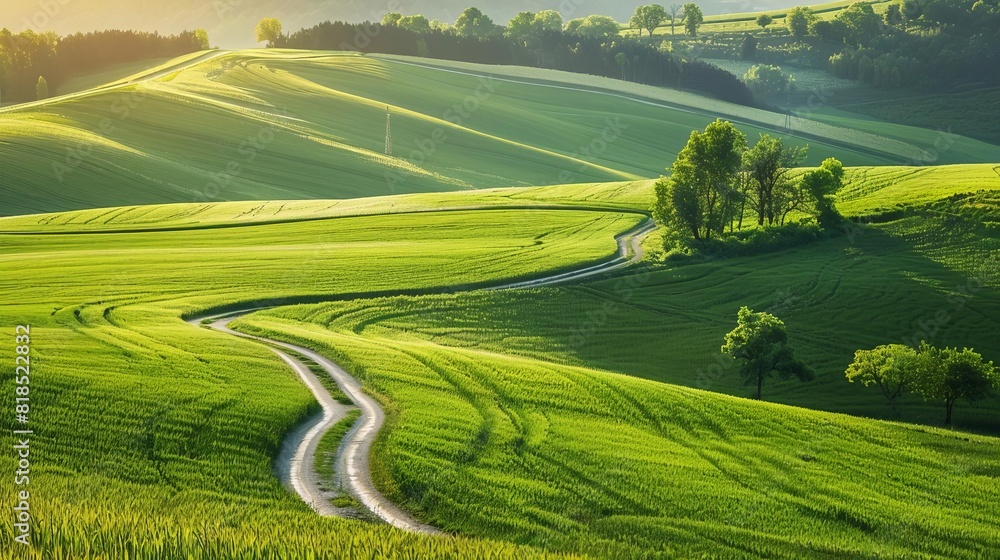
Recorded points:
(155, 438)
(596, 419)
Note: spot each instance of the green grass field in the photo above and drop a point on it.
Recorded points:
(588, 420)
(153, 434)
(561, 455)
(283, 125)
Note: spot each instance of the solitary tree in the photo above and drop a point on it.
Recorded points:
(693, 19)
(697, 199)
(892, 368)
(763, 20)
(760, 343)
(648, 17)
(950, 374)
(269, 29)
(797, 20)
(41, 88)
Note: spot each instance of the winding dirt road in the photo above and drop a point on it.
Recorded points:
(295, 462)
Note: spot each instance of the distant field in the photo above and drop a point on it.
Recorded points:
(958, 113)
(109, 75)
(289, 125)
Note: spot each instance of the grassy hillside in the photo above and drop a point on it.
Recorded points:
(931, 249)
(502, 423)
(152, 433)
(274, 125)
(576, 459)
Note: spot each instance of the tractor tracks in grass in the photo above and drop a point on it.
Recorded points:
(295, 463)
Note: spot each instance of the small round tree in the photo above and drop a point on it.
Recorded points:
(763, 20)
(760, 343)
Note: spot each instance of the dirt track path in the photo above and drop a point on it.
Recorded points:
(295, 462)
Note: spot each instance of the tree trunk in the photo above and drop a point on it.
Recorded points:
(949, 405)
(760, 384)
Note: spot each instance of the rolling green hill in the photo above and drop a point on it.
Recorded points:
(276, 125)
(502, 424)
(152, 433)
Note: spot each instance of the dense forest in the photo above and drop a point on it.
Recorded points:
(935, 44)
(575, 48)
(25, 57)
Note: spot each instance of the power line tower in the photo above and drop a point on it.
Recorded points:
(388, 132)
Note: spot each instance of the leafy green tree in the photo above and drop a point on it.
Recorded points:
(760, 343)
(763, 20)
(474, 23)
(269, 29)
(521, 27)
(42, 89)
(391, 18)
(797, 20)
(594, 27)
(698, 197)
(693, 18)
(416, 23)
(862, 23)
(822, 185)
(768, 164)
(765, 80)
(548, 20)
(892, 368)
(201, 36)
(648, 17)
(950, 374)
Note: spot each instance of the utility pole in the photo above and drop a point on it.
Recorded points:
(388, 131)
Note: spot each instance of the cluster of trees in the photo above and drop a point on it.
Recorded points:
(27, 56)
(590, 45)
(938, 374)
(652, 16)
(717, 181)
(914, 42)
